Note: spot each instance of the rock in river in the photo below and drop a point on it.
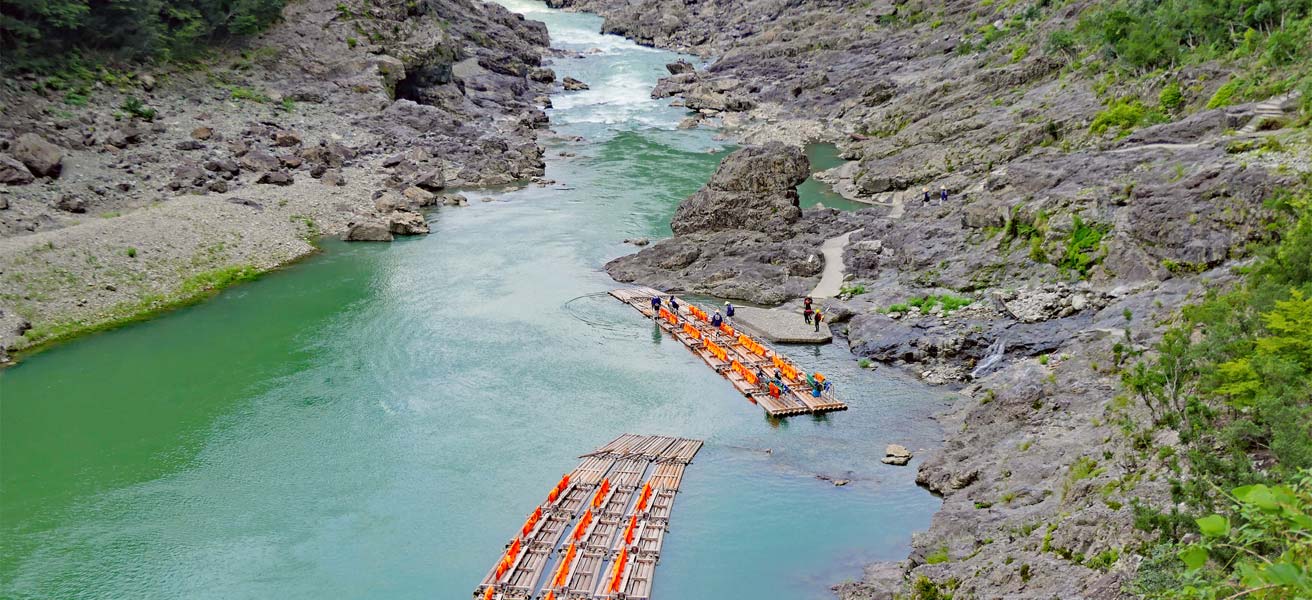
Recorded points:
(896, 454)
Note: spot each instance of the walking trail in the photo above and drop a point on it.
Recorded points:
(831, 279)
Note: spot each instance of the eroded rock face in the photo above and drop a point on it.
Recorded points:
(754, 188)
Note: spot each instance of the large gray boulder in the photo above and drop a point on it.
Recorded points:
(13, 171)
(754, 188)
(42, 158)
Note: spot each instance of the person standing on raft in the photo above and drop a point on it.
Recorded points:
(818, 317)
(806, 314)
(674, 305)
(655, 307)
(728, 310)
(716, 319)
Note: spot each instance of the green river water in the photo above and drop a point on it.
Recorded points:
(376, 422)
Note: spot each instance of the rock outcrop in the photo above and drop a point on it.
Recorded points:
(754, 189)
(741, 235)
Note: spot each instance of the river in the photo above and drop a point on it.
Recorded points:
(376, 421)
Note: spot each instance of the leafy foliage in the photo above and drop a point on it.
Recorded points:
(41, 34)
(1147, 34)
(1263, 549)
(1234, 379)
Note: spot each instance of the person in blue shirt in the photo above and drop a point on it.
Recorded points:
(655, 306)
(674, 305)
(942, 193)
(716, 319)
(728, 310)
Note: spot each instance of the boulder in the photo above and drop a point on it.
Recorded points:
(372, 230)
(202, 133)
(679, 67)
(419, 196)
(896, 454)
(431, 180)
(754, 188)
(332, 177)
(278, 177)
(286, 139)
(454, 200)
(542, 75)
(259, 160)
(42, 158)
(13, 171)
(406, 222)
(71, 203)
(573, 85)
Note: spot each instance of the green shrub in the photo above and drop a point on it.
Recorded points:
(1124, 114)
(1019, 52)
(1171, 98)
(136, 108)
(1224, 95)
(938, 556)
(1083, 248)
(131, 252)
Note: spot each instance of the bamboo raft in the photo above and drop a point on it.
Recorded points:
(598, 535)
(738, 357)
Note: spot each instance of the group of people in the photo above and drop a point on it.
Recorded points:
(942, 194)
(717, 319)
(812, 315)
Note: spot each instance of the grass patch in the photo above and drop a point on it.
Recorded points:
(193, 289)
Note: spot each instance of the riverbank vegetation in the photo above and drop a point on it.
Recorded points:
(56, 35)
(1233, 381)
(1151, 58)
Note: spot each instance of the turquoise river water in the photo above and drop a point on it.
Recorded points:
(377, 421)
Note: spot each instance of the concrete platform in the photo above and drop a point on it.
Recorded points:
(780, 326)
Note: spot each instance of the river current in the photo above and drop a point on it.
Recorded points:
(377, 421)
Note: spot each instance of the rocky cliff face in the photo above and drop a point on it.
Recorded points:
(1061, 251)
(345, 116)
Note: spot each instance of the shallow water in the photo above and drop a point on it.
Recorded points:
(376, 421)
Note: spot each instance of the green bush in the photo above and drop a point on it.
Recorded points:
(136, 108)
(1124, 114)
(1224, 95)
(1083, 248)
(1171, 98)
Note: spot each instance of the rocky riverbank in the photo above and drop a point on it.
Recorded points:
(1063, 249)
(124, 192)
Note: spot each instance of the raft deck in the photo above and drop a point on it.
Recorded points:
(748, 364)
(599, 533)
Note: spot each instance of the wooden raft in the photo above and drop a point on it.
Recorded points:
(599, 533)
(737, 356)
